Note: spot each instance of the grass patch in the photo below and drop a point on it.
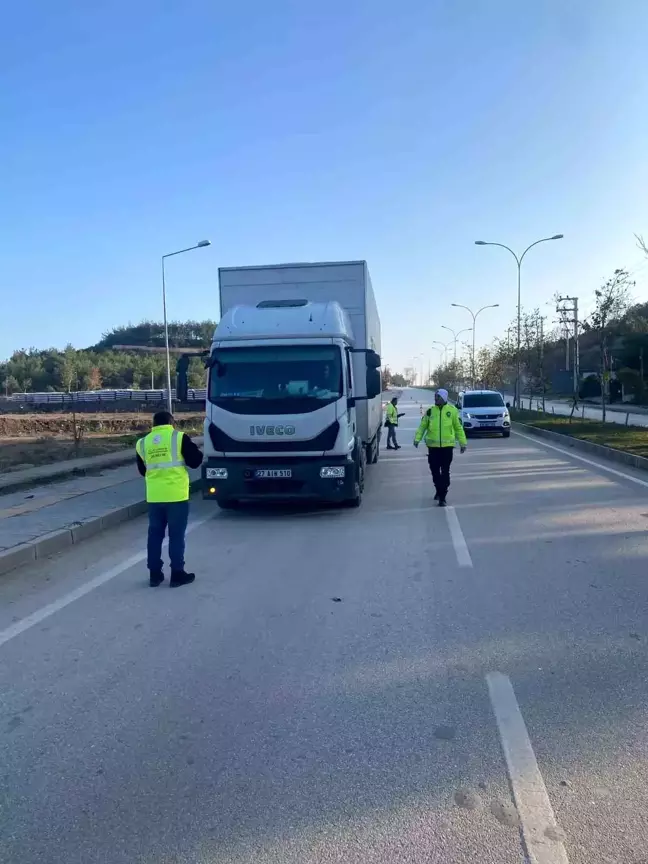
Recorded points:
(629, 439)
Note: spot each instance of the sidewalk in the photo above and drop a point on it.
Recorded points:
(29, 477)
(43, 520)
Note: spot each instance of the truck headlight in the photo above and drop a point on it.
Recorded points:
(332, 473)
(216, 473)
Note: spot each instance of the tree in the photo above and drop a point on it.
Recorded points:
(612, 302)
(94, 378)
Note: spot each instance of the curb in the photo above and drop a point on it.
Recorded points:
(51, 473)
(31, 477)
(607, 454)
(57, 541)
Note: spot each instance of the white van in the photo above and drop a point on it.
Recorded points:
(484, 411)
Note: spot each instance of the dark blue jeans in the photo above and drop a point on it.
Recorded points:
(174, 517)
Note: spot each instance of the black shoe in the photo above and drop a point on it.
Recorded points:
(436, 496)
(181, 578)
(398, 447)
(389, 448)
(443, 502)
(156, 579)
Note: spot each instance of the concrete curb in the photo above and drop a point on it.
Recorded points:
(607, 454)
(57, 541)
(31, 477)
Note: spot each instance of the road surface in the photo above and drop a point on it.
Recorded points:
(398, 683)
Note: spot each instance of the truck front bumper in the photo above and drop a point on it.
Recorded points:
(331, 479)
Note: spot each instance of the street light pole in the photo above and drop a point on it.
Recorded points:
(200, 245)
(455, 336)
(474, 327)
(518, 261)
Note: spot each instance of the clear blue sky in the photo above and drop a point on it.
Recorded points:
(289, 131)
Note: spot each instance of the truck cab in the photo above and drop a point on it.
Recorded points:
(286, 386)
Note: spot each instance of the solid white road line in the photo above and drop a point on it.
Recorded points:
(537, 819)
(583, 459)
(36, 617)
(458, 539)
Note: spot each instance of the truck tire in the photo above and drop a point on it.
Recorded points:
(228, 503)
(373, 452)
(358, 487)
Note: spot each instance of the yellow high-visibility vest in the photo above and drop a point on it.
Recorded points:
(167, 478)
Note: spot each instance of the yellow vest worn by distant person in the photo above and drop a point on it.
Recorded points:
(167, 478)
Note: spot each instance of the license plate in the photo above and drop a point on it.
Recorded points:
(486, 423)
(272, 473)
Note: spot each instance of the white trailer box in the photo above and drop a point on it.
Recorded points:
(346, 282)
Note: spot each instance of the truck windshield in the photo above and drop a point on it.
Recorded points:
(292, 378)
(483, 400)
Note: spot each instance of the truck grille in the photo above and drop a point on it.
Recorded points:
(222, 442)
(280, 486)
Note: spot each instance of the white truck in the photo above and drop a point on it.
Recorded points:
(294, 407)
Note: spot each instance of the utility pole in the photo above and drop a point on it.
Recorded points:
(569, 318)
(541, 353)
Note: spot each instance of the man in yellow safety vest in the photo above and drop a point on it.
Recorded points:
(391, 422)
(163, 457)
(441, 427)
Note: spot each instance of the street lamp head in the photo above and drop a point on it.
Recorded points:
(203, 243)
(557, 237)
(481, 243)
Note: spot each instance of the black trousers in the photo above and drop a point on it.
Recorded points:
(391, 436)
(439, 460)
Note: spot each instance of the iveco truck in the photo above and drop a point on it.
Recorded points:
(294, 407)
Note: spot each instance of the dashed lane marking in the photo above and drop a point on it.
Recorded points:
(458, 540)
(542, 837)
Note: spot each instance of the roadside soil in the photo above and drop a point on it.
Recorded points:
(31, 440)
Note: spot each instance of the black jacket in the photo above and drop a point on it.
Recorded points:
(191, 454)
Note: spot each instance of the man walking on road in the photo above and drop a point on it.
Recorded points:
(441, 427)
(162, 458)
(391, 422)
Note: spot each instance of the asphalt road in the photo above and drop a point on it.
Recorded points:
(394, 684)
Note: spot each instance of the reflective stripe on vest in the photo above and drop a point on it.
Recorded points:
(178, 462)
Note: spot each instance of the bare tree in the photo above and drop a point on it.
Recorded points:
(642, 244)
(612, 301)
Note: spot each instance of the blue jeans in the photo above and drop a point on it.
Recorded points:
(174, 517)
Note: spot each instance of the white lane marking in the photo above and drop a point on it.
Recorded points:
(40, 615)
(583, 459)
(529, 791)
(458, 539)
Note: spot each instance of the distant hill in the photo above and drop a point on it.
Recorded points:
(184, 334)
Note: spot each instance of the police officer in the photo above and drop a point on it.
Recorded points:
(162, 458)
(391, 422)
(441, 427)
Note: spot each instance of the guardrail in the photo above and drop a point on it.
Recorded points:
(100, 396)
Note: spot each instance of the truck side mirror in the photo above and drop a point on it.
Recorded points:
(373, 360)
(374, 383)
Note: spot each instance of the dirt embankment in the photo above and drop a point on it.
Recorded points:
(40, 439)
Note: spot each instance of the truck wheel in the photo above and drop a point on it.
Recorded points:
(356, 501)
(373, 452)
(228, 503)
